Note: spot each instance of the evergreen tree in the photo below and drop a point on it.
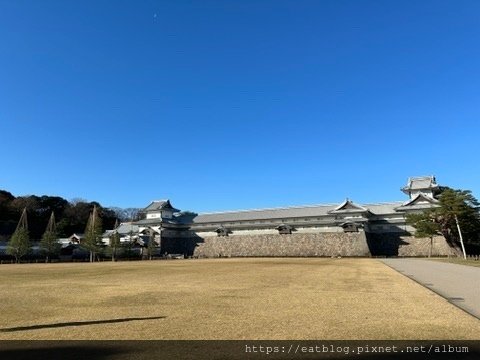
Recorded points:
(19, 244)
(114, 241)
(93, 234)
(49, 243)
(457, 218)
(425, 226)
(128, 246)
(151, 246)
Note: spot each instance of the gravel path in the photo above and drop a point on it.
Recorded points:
(459, 284)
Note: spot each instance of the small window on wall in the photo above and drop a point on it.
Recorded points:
(284, 229)
(222, 231)
(350, 227)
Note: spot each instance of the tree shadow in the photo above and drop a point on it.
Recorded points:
(184, 246)
(386, 244)
(78, 323)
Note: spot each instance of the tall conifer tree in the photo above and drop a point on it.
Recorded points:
(49, 243)
(114, 241)
(19, 244)
(152, 245)
(93, 234)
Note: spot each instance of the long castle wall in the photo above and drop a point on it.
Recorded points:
(324, 244)
(359, 244)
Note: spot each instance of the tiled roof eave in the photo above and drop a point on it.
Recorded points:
(417, 207)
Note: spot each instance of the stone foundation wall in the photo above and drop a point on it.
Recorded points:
(407, 245)
(307, 245)
(324, 244)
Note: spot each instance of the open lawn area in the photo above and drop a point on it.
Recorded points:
(274, 298)
(460, 261)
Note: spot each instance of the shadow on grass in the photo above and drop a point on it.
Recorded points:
(78, 323)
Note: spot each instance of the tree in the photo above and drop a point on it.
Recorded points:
(19, 244)
(457, 218)
(49, 243)
(425, 226)
(151, 246)
(128, 214)
(114, 241)
(93, 234)
(128, 246)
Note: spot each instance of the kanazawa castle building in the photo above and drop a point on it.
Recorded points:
(328, 228)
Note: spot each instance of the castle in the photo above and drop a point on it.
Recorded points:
(346, 229)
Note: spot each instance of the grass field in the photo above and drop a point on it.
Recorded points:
(460, 261)
(286, 298)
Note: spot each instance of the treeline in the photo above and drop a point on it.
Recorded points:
(71, 216)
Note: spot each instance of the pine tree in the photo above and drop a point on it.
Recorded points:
(93, 234)
(49, 243)
(151, 246)
(19, 244)
(115, 241)
(457, 217)
(425, 226)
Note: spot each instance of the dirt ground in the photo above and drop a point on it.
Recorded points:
(271, 299)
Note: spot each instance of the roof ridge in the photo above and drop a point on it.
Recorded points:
(297, 207)
(385, 203)
(265, 209)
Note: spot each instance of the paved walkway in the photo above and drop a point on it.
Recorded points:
(459, 284)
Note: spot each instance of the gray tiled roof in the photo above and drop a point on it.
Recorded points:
(420, 201)
(126, 228)
(348, 206)
(383, 208)
(418, 183)
(122, 229)
(158, 222)
(160, 204)
(289, 212)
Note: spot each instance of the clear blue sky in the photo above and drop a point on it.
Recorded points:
(222, 105)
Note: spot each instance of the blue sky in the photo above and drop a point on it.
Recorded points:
(237, 104)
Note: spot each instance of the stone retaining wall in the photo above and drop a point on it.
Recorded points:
(308, 245)
(406, 245)
(325, 244)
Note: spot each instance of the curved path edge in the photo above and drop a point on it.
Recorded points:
(459, 284)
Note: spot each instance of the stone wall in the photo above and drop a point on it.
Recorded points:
(323, 244)
(399, 244)
(308, 245)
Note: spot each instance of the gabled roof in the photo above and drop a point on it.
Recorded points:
(149, 230)
(122, 229)
(419, 202)
(108, 233)
(127, 228)
(348, 206)
(420, 183)
(160, 205)
(78, 236)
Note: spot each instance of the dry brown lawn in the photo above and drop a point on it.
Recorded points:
(460, 261)
(286, 298)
